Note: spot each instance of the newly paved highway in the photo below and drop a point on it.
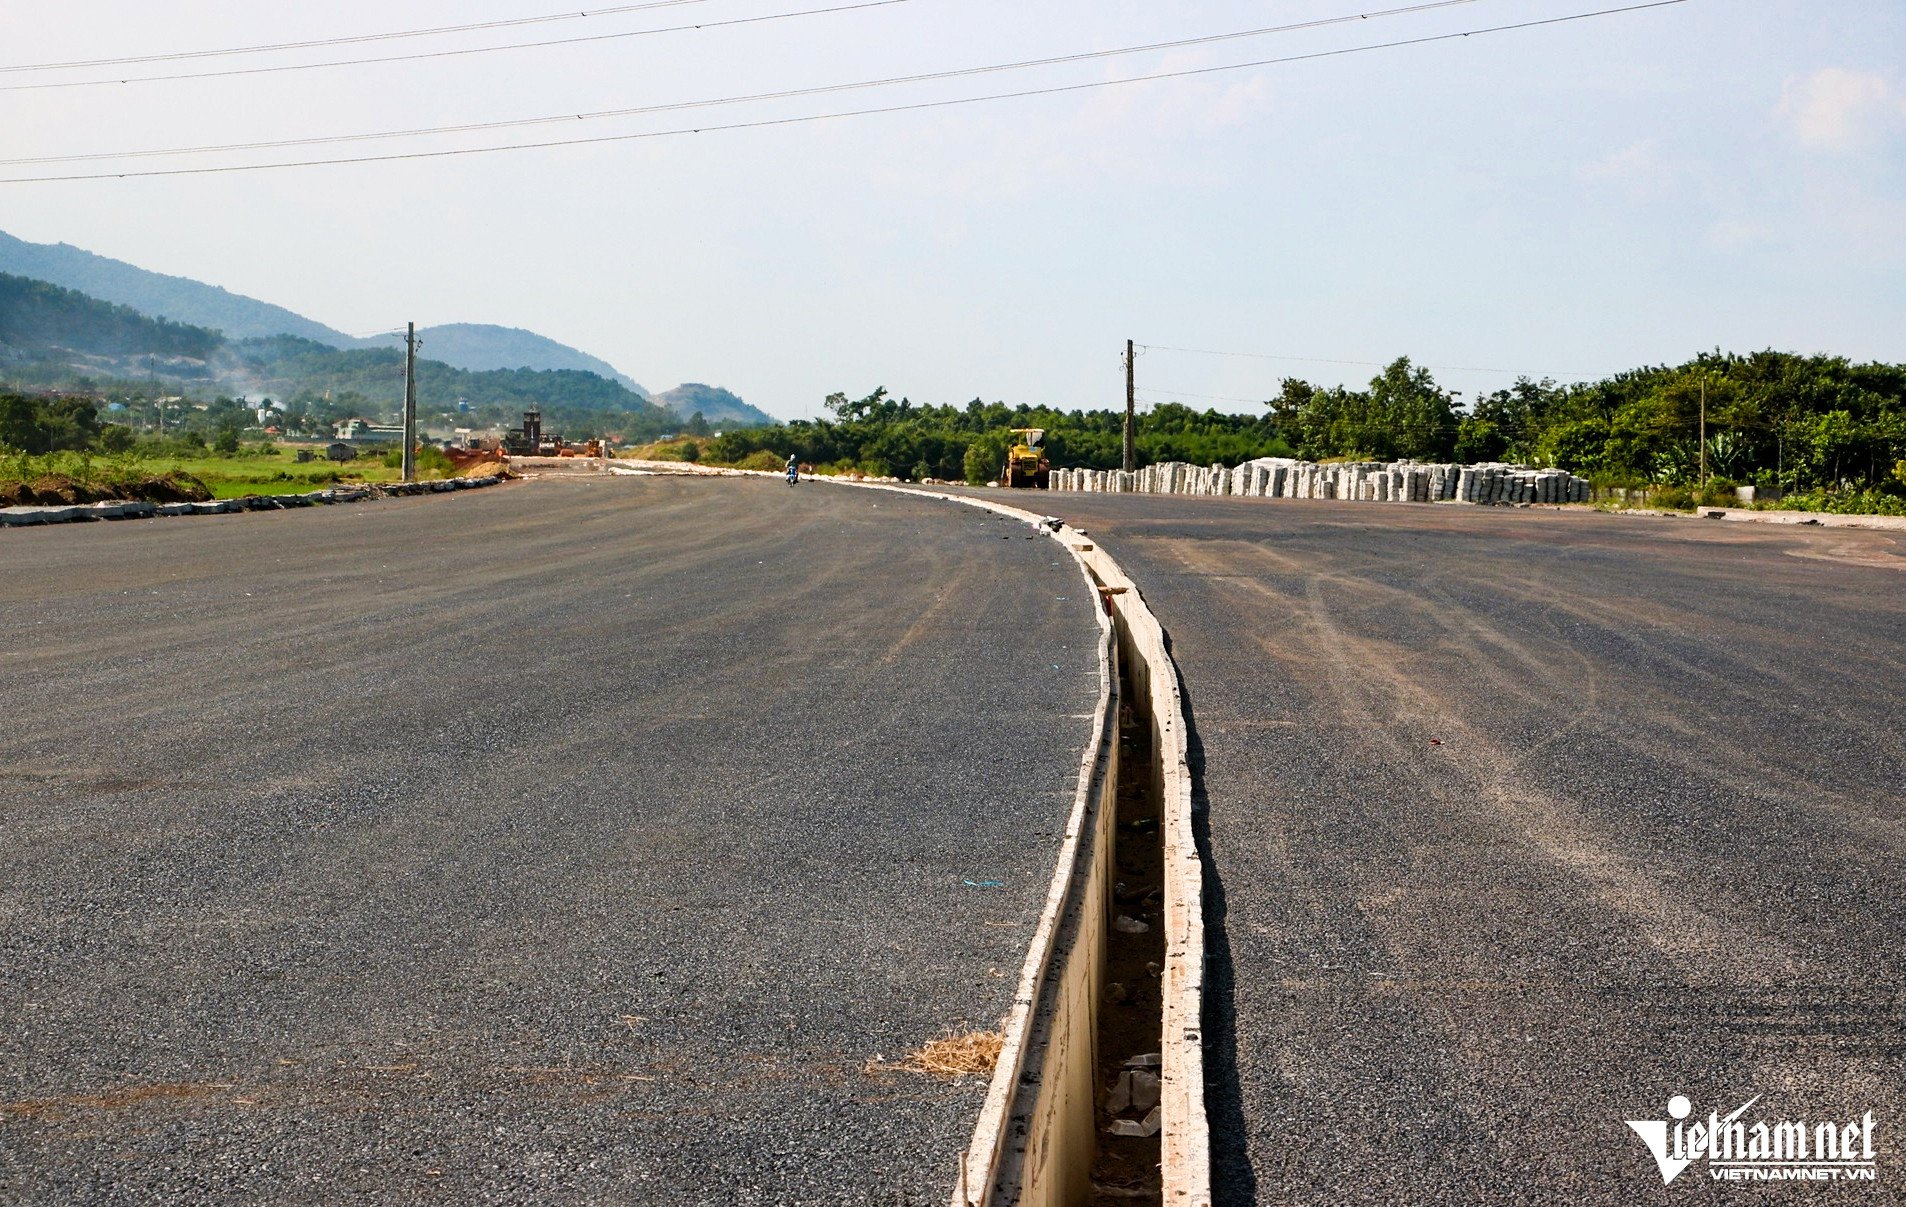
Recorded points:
(570, 841)
(1521, 823)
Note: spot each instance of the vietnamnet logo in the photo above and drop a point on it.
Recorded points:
(1777, 1150)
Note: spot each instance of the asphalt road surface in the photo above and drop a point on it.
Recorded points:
(570, 841)
(1522, 823)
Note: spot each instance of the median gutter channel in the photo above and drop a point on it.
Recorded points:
(1110, 1005)
(1098, 1096)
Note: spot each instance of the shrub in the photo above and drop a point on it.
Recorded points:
(1849, 502)
(1719, 492)
(434, 462)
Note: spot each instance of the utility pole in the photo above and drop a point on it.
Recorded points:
(410, 404)
(1131, 410)
(1703, 429)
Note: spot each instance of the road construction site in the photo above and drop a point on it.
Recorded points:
(591, 839)
(1517, 824)
(626, 838)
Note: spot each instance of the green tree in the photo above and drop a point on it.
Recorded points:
(116, 438)
(20, 424)
(1579, 446)
(1409, 415)
(1833, 438)
(984, 458)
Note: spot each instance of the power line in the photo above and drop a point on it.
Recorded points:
(915, 106)
(451, 54)
(1368, 364)
(785, 94)
(1171, 393)
(353, 39)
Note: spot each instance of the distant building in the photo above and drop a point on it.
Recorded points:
(339, 451)
(364, 429)
(531, 440)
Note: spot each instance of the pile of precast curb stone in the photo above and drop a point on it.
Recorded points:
(16, 517)
(1373, 481)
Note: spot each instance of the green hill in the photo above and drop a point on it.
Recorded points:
(285, 365)
(718, 406)
(246, 346)
(485, 346)
(60, 338)
(177, 298)
(474, 346)
(38, 318)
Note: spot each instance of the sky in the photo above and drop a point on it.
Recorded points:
(1563, 201)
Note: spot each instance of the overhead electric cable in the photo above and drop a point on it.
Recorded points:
(1170, 393)
(1367, 364)
(785, 94)
(451, 54)
(803, 119)
(348, 40)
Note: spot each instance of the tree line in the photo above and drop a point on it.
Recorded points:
(1773, 419)
(884, 436)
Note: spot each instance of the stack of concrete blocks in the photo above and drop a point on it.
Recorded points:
(1370, 481)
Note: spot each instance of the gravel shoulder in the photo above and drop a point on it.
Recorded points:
(574, 841)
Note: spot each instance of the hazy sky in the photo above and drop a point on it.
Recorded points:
(1563, 201)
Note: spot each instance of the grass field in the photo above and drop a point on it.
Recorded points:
(251, 471)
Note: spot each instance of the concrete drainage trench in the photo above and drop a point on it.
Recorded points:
(1128, 1113)
(1099, 1094)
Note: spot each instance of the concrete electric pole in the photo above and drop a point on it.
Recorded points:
(1131, 450)
(410, 404)
(1704, 429)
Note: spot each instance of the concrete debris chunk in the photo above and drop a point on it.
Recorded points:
(1121, 1099)
(1143, 1090)
(1130, 926)
(1141, 1128)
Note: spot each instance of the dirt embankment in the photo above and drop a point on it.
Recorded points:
(49, 490)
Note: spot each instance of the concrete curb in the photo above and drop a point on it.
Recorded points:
(1186, 1134)
(1822, 519)
(20, 517)
(1033, 1144)
(1186, 1155)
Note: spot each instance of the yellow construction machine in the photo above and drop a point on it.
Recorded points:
(1026, 463)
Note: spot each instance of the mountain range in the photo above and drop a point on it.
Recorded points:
(59, 338)
(479, 346)
(472, 347)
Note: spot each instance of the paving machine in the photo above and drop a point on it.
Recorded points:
(1026, 463)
